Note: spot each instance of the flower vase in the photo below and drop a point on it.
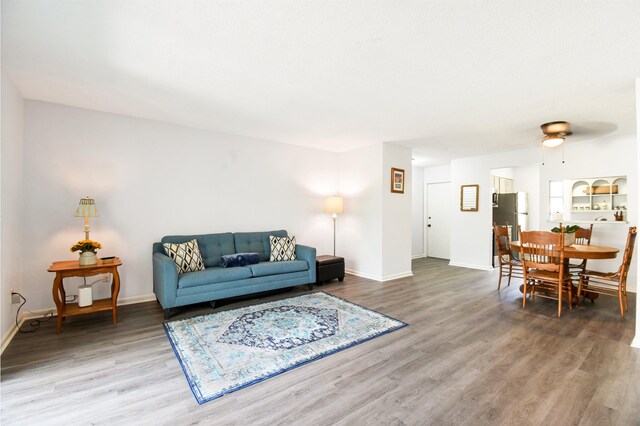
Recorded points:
(88, 258)
(569, 238)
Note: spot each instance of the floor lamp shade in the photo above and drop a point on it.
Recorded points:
(333, 205)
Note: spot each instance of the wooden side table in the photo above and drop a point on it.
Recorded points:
(72, 268)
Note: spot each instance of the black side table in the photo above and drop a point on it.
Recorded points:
(329, 268)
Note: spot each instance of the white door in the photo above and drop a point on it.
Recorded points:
(437, 220)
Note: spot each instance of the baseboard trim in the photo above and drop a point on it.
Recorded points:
(25, 316)
(137, 299)
(379, 278)
(471, 266)
(9, 335)
(397, 276)
(418, 256)
(364, 275)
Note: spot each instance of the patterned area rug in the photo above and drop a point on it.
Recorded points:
(226, 351)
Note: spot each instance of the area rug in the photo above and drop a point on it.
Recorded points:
(229, 350)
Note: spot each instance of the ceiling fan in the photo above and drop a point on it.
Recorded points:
(555, 132)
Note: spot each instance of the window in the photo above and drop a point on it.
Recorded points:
(556, 199)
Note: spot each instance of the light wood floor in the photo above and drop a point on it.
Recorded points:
(470, 355)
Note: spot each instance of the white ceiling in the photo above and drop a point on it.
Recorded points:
(448, 78)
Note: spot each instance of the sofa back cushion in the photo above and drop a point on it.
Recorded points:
(212, 246)
(257, 242)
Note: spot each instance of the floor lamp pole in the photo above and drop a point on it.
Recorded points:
(334, 217)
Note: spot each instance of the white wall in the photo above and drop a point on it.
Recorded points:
(11, 157)
(437, 174)
(527, 179)
(151, 179)
(396, 215)
(504, 172)
(607, 156)
(359, 229)
(636, 341)
(471, 232)
(417, 212)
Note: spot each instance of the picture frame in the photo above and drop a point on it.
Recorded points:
(397, 180)
(469, 198)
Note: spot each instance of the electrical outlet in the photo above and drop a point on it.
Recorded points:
(15, 298)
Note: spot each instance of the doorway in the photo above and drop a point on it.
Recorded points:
(515, 199)
(437, 231)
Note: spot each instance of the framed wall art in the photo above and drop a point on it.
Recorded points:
(469, 198)
(397, 180)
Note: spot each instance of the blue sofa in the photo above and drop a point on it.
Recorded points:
(215, 282)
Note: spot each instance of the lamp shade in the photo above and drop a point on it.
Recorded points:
(333, 205)
(86, 208)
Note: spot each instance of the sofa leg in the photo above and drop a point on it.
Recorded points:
(340, 279)
(212, 303)
(167, 313)
(310, 286)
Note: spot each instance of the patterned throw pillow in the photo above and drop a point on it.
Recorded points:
(282, 248)
(186, 256)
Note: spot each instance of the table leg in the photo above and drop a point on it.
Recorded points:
(58, 290)
(574, 300)
(115, 289)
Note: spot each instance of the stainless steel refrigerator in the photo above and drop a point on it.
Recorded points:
(512, 210)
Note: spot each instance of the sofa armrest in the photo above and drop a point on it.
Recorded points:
(165, 280)
(309, 255)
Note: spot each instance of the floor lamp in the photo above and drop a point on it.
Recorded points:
(334, 205)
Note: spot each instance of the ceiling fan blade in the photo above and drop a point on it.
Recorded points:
(594, 128)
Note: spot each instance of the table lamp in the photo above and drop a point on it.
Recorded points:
(334, 205)
(86, 208)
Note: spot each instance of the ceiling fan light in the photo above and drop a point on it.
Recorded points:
(552, 141)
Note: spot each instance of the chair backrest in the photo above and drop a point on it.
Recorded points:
(628, 252)
(542, 250)
(501, 235)
(583, 235)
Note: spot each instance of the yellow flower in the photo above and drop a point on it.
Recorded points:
(86, 245)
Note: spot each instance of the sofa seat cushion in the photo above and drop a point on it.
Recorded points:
(274, 268)
(213, 275)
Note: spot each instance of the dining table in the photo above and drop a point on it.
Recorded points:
(579, 251)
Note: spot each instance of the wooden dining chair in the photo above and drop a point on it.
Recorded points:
(542, 255)
(583, 237)
(611, 283)
(509, 265)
